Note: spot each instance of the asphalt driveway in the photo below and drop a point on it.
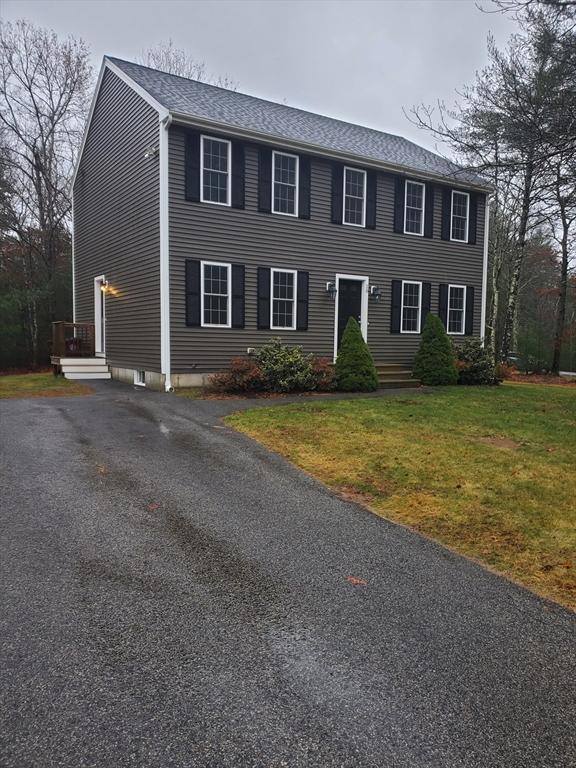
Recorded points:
(175, 595)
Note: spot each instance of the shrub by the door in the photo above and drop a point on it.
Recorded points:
(355, 371)
(435, 362)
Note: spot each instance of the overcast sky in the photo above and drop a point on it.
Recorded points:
(358, 60)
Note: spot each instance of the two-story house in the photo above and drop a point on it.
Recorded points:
(207, 221)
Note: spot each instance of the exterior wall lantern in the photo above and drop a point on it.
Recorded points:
(331, 290)
(376, 292)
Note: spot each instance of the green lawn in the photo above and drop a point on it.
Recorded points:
(39, 385)
(490, 472)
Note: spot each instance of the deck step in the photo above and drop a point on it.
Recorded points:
(84, 369)
(100, 375)
(81, 361)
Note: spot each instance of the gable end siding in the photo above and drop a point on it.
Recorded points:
(117, 225)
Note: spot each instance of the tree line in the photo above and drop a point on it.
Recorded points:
(515, 125)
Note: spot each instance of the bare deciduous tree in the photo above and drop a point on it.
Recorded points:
(176, 61)
(44, 88)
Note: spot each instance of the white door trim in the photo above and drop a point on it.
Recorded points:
(99, 321)
(363, 309)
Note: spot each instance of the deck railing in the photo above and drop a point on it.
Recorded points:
(72, 339)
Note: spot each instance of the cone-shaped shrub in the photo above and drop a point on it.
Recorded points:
(435, 361)
(355, 371)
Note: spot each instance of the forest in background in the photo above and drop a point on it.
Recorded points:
(515, 125)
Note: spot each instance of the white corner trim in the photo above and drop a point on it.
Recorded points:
(363, 307)
(165, 363)
(485, 268)
(107, 64)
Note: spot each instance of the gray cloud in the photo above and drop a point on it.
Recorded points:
(358, 60)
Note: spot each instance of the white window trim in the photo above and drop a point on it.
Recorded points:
(350, 223)
(229, 174)
(139, 378)
(297, 186)
(467, 195)
(463, 331)
(411, 282)
(229, 312)
(292, 327)
(420, 184)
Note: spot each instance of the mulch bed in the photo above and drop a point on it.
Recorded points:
(535, 378)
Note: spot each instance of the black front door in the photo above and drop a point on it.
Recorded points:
(349, 303)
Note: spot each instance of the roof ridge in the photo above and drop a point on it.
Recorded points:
(266, 101)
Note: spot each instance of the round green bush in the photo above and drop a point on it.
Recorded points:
(355, 371)
(435, 362)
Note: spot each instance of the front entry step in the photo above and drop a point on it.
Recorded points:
(79, 368)
(395, 376)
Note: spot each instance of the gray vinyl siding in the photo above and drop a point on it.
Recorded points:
(212, 232)
(117, 225)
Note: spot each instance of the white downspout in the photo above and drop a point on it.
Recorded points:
(165, 124)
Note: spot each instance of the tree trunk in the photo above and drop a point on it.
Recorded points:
(561, 317)
(517, 263)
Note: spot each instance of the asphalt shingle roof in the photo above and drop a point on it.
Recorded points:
(208, 102)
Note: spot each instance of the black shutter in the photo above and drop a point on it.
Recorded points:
(337, 192)
(426, 296)
(192, 166)
(371, 186)
(304, 188)
(399, 195)
(263, 297)
(396, 306)
(192, 292)
(472, 218)
(446, 213)
(237, 174)
(443, 303)
(302, 302)
(469, 321)
(429, 210)
(237, 295)
(265, 180)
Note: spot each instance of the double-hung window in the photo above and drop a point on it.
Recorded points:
(354, 197)
(414, 200)
(411, 307)
(456, 308)
(215, 162)
(285, 184)
(283, 295)
(215, 295)
(459, 216)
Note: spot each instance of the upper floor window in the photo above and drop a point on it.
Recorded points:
(283, 304)
(414, 208)
(411, 307)
(459, 216)
(354, 197)
(456, 308)
(285, 183)
(215, 162)
(215, 296)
